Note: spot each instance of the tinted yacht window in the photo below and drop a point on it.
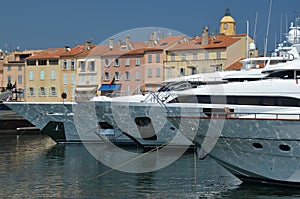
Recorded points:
(289, 74)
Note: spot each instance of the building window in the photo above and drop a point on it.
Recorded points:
(53, 62)
(8, 68)
(31, 62)
(138, 90)
(82, 66)
(137, 75)
(169, 73)
(65, 79)
(82, 79)
(65, 65)
(73, 64)
(218, 55)
(8, 78)
(43, 91)
(138, 61)
(127, 62)
(31, 75)
(157, 74)
(20, 79)
(182, 71)
(172, 57)
(206, 55)
(53, 91)
(106, 76)
(52, 75)
(31, 91)
(107, 62)
(183, 56)
(91, 66)
(117, 61)
(193, 70)
(149, 72)
(42, 75)
(42, 62)
(117, 75)
(150, 88)
(128, 90)
(92, 79)
(149, 58)
(127, 75)
(73, 93)
(72, 79)
(20, 68)
(195, 56)
(157, 58)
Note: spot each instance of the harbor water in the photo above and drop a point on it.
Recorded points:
(33, 166)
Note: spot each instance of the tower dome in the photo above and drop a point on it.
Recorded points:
(227, 24)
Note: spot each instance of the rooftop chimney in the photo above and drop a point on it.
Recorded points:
(205, 36)
(119, 42)
(161, 36)
(111, 43)
(67, 48)
(127, 42)
(88, 45)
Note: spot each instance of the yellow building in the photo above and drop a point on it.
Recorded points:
(43, 76)
(208, 53)
(51, 73)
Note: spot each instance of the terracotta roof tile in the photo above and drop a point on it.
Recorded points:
(56, 53)
(50, 53)
(219, 41)
(235, 66)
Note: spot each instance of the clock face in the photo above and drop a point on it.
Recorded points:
(225, 26)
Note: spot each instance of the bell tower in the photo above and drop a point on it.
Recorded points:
(227, 24)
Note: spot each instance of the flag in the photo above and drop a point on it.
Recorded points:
(113, 81)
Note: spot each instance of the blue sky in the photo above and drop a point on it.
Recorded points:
(38, 24)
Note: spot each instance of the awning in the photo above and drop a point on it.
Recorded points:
(85, 89)
(110, 87)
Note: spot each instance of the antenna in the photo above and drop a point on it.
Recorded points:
(280, 36)
(286, 24)
(266, 43)
(254, 33)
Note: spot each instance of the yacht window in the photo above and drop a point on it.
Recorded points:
(282, 74)
(240, 100)
(297, 74)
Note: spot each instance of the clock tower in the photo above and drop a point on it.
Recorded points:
(227, 24)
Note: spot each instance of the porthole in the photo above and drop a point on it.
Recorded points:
(257, 145)
(284, 147)
(172, 128)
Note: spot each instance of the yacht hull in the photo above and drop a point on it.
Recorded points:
(264, 150)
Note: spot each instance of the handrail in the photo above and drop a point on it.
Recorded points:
(242, 115)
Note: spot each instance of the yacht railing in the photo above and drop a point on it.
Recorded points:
(237, 115)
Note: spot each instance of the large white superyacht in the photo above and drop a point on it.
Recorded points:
(251, 128)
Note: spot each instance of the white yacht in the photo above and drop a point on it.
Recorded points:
(104, 117)
(100, 119)
(251, 128)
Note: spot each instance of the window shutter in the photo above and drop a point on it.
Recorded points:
(74, 64)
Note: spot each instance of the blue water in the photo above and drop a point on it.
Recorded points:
(33, 166)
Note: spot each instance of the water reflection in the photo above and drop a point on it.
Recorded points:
(36, 167)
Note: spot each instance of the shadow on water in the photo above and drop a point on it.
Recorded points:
(260, 190)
